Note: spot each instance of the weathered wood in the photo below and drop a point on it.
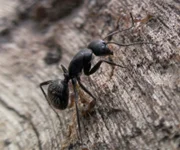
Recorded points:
(137, 107)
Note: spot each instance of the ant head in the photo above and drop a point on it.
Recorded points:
(100, 48)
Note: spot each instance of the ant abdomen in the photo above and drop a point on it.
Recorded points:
(58, 94)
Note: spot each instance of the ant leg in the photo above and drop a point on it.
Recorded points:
(41, 86)
(74, 83)
(84, 88)
(112, 63)
(93, 102)
(88, 72)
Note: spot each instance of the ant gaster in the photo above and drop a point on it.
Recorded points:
(58, 90)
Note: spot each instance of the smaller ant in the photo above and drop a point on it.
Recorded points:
(58, 90)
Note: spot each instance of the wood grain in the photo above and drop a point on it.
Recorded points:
(137, 107)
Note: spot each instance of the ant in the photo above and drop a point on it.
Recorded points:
(58, 90)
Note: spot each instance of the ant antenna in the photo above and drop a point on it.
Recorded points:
(130, 44)
(117, 31)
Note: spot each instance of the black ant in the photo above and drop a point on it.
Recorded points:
(58, 90)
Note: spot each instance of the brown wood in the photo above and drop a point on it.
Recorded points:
(137, 107)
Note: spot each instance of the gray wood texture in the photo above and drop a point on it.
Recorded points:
(137, 107)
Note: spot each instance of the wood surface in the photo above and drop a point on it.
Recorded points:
(137, 107)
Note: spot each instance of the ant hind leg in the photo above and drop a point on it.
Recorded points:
(74, 83)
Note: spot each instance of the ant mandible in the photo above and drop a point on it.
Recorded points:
(58, 90)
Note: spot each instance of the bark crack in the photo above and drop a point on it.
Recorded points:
(25, 118)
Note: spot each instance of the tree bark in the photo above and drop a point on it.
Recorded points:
(137, 106)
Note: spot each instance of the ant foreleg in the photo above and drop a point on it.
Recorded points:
(111, 63)
(74, 83)
(88, 71)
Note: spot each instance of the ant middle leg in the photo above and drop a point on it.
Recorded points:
(92, 103)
